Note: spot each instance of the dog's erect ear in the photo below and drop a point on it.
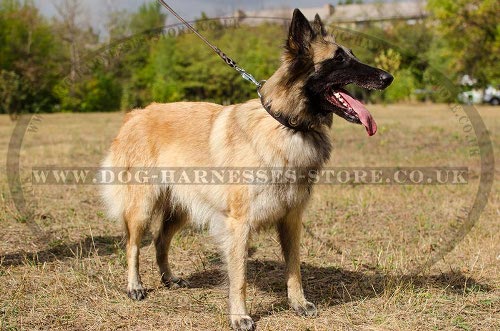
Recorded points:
(301, 33)
(318, 26)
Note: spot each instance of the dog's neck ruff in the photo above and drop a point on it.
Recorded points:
(289, 122)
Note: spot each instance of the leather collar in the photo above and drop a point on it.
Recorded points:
(291, 123)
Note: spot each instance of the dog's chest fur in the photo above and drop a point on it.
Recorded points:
(246, 137)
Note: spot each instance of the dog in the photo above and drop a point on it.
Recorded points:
(288, 128)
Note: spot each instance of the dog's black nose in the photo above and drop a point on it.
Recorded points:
(386, 78)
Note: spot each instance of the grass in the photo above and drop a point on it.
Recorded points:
(360, 247)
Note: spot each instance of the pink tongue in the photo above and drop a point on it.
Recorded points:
(363, 113)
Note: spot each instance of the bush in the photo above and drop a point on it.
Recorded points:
(402, 88)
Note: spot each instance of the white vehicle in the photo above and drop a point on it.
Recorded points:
(474, 96)
(492, 95)
(489, 95)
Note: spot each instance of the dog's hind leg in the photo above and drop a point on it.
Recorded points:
(136, 224)
(289, 230)
(171, 223)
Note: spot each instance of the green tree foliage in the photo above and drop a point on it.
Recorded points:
(12, 93)
(149, 16)
(195, 72)
(137, 72)
(28, 59)
(98, 91)
(471, 33)
(84, 87)
(404, 83)
(181, 67)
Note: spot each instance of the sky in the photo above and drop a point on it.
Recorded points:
(96, 10)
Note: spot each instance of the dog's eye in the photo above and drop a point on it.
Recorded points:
(339, 57)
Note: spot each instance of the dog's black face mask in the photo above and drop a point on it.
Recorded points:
(330, 68)
(325, 87)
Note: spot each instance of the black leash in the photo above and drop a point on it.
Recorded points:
(290, 123)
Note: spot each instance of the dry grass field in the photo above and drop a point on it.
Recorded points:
(361, 250)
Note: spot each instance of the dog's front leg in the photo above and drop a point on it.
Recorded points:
(235, 249)
(289, 230)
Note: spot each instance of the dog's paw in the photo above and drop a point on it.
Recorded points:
(174, 283)
(305, 309)
(243, 323)
(138, 293)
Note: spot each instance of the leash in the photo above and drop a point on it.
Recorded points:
(290, 123)
(230, 62)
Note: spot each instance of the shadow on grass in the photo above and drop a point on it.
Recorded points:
(326, 286)
(58, 250)
(329, 286)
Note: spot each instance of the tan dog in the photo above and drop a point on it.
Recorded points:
(302, 96)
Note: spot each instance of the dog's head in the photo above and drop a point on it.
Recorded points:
(320, 68)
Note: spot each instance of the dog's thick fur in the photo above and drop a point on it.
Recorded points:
(209, 135)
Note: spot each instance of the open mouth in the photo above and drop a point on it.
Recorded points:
(351, 109)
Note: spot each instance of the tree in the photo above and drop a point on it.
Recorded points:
(149, 16)
(79, 38)
(184, 68)
(12, 93)
(117, 22)
(28, 59)
(117, 25)
(471, 35)
(137, 92)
